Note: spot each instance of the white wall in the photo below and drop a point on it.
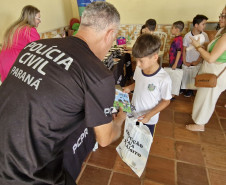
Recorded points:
(57, 13)
(166, 11)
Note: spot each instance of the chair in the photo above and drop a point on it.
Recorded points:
(163, 37)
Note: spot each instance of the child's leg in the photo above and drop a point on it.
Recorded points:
(188, 93)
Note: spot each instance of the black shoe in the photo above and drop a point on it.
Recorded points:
(182, 91)
(188, 94)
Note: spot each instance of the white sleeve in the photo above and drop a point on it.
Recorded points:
(186, 41)
(166, 88)
(206, 37)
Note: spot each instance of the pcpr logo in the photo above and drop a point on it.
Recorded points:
(109, 111)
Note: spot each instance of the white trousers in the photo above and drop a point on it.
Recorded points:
(206, 98)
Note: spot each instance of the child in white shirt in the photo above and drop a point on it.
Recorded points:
(152, 87)
(191, 56)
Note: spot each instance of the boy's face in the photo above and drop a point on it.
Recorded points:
(143, 31)
(146, 30)
(147, 62)
(174, 30)
(201, 26)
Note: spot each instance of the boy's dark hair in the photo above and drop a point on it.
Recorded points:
(179, 25)
(142, 27)
(198, 19)
(145, 45)
(151, 24)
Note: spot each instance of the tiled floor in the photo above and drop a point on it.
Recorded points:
(177, 156)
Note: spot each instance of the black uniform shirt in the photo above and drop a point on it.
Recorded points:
(55, 88)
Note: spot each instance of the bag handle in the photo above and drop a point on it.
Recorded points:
(217, 75)
(221, 72)
(138, 123)
(121, 37)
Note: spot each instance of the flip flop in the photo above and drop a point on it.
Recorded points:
(195, 127)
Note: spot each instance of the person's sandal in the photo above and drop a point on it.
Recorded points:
(195, 127)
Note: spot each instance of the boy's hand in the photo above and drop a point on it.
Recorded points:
(187, 64)
(174, 67)
(126, 89)
(144, 118)
(194, 63)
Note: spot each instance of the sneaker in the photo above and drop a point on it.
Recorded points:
(181, 91)
(188, 94)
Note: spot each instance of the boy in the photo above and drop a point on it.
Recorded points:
(176, 48)
(152, 87)
(142, 30)
(150, 26)
(191, 57)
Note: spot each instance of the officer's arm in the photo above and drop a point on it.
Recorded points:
(109, 132)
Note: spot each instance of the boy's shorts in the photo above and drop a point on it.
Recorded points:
(151, 128)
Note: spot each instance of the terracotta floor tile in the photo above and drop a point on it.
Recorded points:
(163, 147)
(160, 170)
(117, 142)
(122, 167)
(223, 95)
(221, 102)
(189, 152)
(166, 115)
(122, 179)
(213, 136)
(177, 157)
(182, 98)
(182, 118)
(222, 99)
(93, 175)
(171, 106)
(217, 177)
(180, 106)
(213, 122)
(215, 156)
(223, 124)
(148, 182)
(221, 112)
(164, 129)
(188, 174)
(103, 157)
(182, 134)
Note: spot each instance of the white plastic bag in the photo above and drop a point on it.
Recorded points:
(189, 74)
(176, 77)
(135, 146)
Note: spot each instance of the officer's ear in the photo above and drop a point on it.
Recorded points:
(110, 35)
